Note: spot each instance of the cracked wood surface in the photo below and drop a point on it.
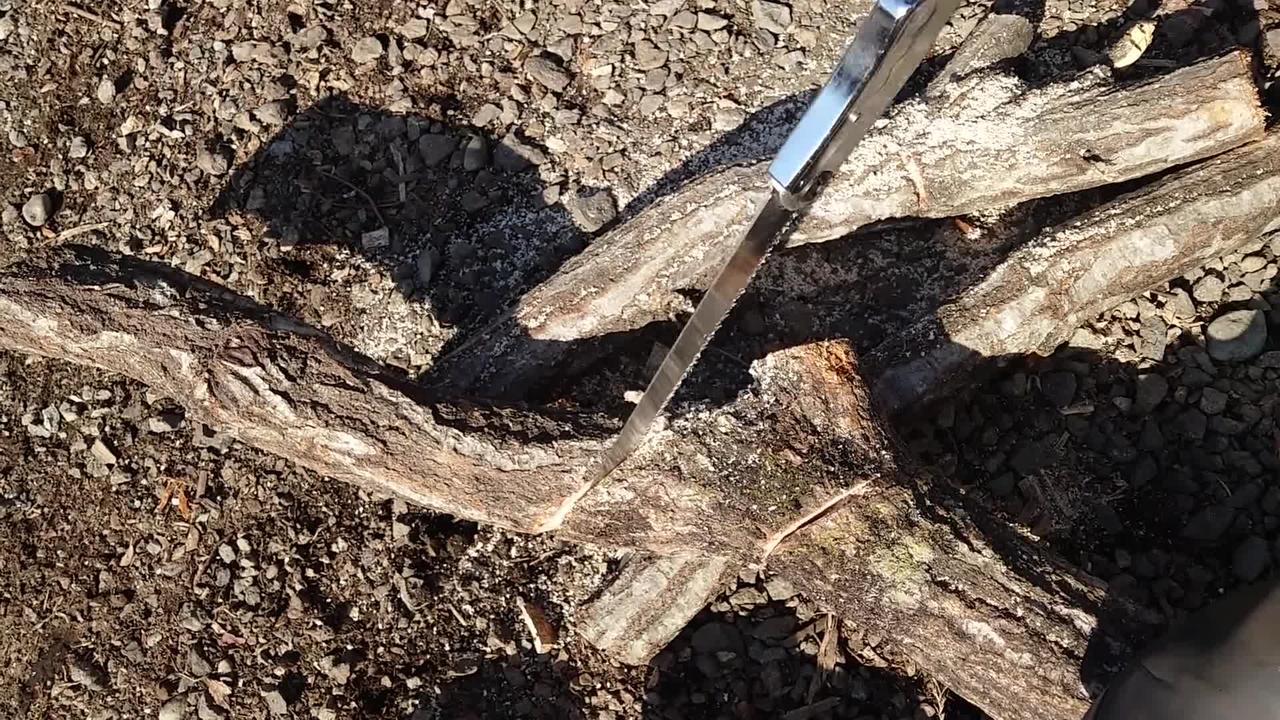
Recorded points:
(986, 140)
(718, 482)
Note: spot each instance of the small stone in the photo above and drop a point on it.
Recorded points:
(79, 148)
(165, 422)
(649, 56)
(103, 453)
(1209, 523)
(174, 709)
(1149, 391)
(1153, 337)
(486, 114)
(513, 156)
(779, 588)
(1237, 335)
(728, 118)
(1252, 263)
(212, 162)
(1212, 402)
(366, 49)
(1192, 424)
(771, 16)
(1208, 289)
(684, 19)
(425, 266)
(775, 628)
(1269, 360)
(37, 209)
(1059, 387)
(106, 92)
(710, 22)
(475, 156)
(10, 215)
(546, 73)
(435, 148)
(717, 637)
(592, 211)
(272, 113)
(254, 50)
(1250, 558)
(275, 703)
(414, 29)
(1180, 305)
(375, 239)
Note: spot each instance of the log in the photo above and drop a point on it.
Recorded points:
(986, 140)
(754, 478)
(1033, 300)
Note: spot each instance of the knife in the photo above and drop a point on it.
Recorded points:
(890, 44)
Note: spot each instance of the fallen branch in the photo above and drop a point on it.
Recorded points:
(988, 141)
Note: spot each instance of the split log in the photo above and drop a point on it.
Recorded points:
(1033, 300)
(735, 481)
(987, 140)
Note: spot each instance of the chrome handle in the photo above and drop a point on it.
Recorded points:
(892, 42)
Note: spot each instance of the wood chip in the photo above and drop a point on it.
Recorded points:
(543, 634)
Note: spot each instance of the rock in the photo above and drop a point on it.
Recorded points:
(513, 156)
(271, 113)
(1180, 305)
(1269, 360)
(1250, 558)
(1208, 289)
(38, 209)
(1149, 391)
(1237, 335)
(425, 266)
(414, 29)
(475, 156)
(717, 637)
(684, 19)
(546, 73)
(79, 148)
(1212, 402)
(779, 588)
(435, 148)
(1252, 263)
(10, 215)
(253, 50)
(1059, 387)
(165, 422)
(275, 703)
(1191, 424)
(366, 50)
(1209, 523)
(649, 56)
(592, 211)
(213, 162)
(1152, 337)
(775, 628)
(174, 709)
(1027, 458)
(711, 22)
(106, 91)
(1271, 46)
(771, 16)
(309, 38)
(375, 239)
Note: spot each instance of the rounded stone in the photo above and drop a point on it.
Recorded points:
(1237, 335)
(38, 209)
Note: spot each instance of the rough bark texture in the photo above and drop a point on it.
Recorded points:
(650, 601)
(986, 140)
(1035, 298)
(732, 481)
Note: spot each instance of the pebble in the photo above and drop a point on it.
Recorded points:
(592, 211)
(717, 637)
(1237, 335)
(1208, 289)
(275, 703)
(435, 149)
(710, 22)
(513, 156)
(1179, 303)
(252, 50)
(1212, 402)
(1149, 391)
(106, 92)
(475, 156)
(546, 73)
(649, 56)
(771, 16)
(174, 709)
(212, 162)
(1250, 558)
(425, 266)
(1209, 523)
(366, 49)
(79, 148)
(1059, 387)
(779, 588)
(38, 209)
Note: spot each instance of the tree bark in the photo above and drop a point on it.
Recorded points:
(985, 141)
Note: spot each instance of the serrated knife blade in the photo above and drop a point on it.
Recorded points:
(890, 44)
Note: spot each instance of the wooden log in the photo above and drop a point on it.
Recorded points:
(1033, 300)
(739, 481)
(987, 140)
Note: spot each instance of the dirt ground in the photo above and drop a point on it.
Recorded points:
(398, 173)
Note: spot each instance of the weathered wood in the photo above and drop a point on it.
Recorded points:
(987, 140)
(734, 481)
(1033, 300)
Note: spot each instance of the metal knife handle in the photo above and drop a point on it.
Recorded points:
(891, 43)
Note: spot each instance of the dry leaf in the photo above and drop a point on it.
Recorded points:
(164, 496)
(219, 691)
(184, 507)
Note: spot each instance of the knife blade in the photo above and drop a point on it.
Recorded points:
(888, 47)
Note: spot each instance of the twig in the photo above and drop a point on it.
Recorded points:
(87, 15)
(372, 203)
(81, 230)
